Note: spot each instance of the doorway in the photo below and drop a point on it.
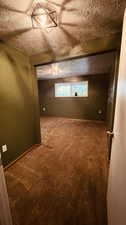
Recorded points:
(64, 181)
(60, 121)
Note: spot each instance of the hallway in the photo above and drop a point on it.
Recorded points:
(62, 182)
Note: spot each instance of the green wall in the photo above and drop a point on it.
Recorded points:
(19, 114)
(81, 108)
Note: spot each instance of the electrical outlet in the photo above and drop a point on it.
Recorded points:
(4, 148)
(99, 111)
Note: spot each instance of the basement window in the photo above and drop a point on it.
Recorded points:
(71, 89)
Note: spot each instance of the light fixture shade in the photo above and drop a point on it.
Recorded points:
(43, 18)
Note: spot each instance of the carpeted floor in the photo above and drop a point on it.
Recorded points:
(62, 182)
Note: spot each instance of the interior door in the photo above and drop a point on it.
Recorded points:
(5, 214)
(117, 174)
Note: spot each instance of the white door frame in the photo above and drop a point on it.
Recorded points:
(5, 214)
(116, 197)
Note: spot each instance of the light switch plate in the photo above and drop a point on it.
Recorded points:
(4, 148)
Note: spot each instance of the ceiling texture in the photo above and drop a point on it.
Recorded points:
(83, 25)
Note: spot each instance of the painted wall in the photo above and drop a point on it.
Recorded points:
(80, 107)
(19, 114)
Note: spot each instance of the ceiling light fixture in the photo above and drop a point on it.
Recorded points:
(43, 18)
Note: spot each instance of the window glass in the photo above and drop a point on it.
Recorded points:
(62, 90)
(80, 89)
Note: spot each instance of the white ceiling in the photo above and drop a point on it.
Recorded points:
(78, 21)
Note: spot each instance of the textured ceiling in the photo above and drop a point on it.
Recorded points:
(90, 65)
(78, 21)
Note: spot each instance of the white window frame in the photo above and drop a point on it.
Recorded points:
(71, 96)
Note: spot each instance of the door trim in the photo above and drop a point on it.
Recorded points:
(5, 213)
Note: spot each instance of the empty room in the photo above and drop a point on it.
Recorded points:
(62, 112)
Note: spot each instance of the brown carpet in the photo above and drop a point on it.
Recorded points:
(62, 182)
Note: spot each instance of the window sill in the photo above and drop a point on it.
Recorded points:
(70, 96)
